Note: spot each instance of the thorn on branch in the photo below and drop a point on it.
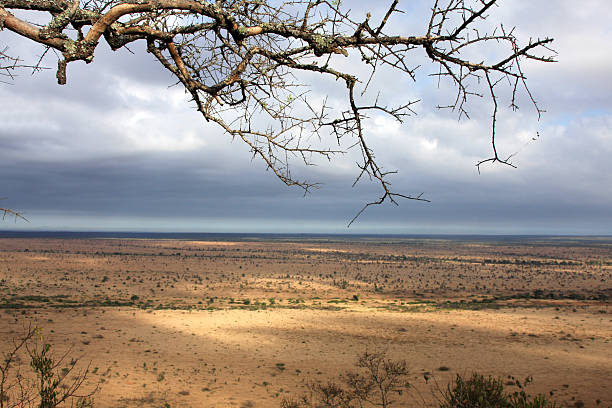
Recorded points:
(9, 212)
(496, 160)
(388, 196)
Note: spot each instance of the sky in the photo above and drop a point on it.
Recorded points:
(119, 148)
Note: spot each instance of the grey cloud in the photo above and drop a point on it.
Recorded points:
(81, 151)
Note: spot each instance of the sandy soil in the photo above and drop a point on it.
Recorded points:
(244, 324)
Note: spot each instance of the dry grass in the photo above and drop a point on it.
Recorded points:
(209, 323)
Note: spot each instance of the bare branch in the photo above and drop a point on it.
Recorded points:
(241, 60)
(11, 213)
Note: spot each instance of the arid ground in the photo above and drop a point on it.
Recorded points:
(247, 323)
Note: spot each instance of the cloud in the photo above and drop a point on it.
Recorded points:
(120, 147)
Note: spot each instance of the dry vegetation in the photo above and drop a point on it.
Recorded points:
(249, 323)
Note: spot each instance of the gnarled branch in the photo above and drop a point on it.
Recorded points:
(240, 61)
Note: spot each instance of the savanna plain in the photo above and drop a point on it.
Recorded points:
(250, 322)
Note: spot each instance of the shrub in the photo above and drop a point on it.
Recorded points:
(476, 392)
(374, 383)
(488, 392)
(52, 386)
(377, 379)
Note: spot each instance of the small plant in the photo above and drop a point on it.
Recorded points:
(520, 399)
(374, 383)
(476, 392)
(479, 391)
(51, 388)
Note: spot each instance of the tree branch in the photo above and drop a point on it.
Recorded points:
(239, 60)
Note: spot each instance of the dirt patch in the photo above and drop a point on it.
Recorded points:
(247, 324)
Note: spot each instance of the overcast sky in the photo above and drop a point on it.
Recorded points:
(118, 148)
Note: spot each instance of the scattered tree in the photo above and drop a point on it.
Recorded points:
(374, 384)
(245, 64)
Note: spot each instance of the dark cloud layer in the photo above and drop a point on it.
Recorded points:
(117, 148)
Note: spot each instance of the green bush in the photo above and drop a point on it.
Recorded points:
(476, 392)
(488, 392)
